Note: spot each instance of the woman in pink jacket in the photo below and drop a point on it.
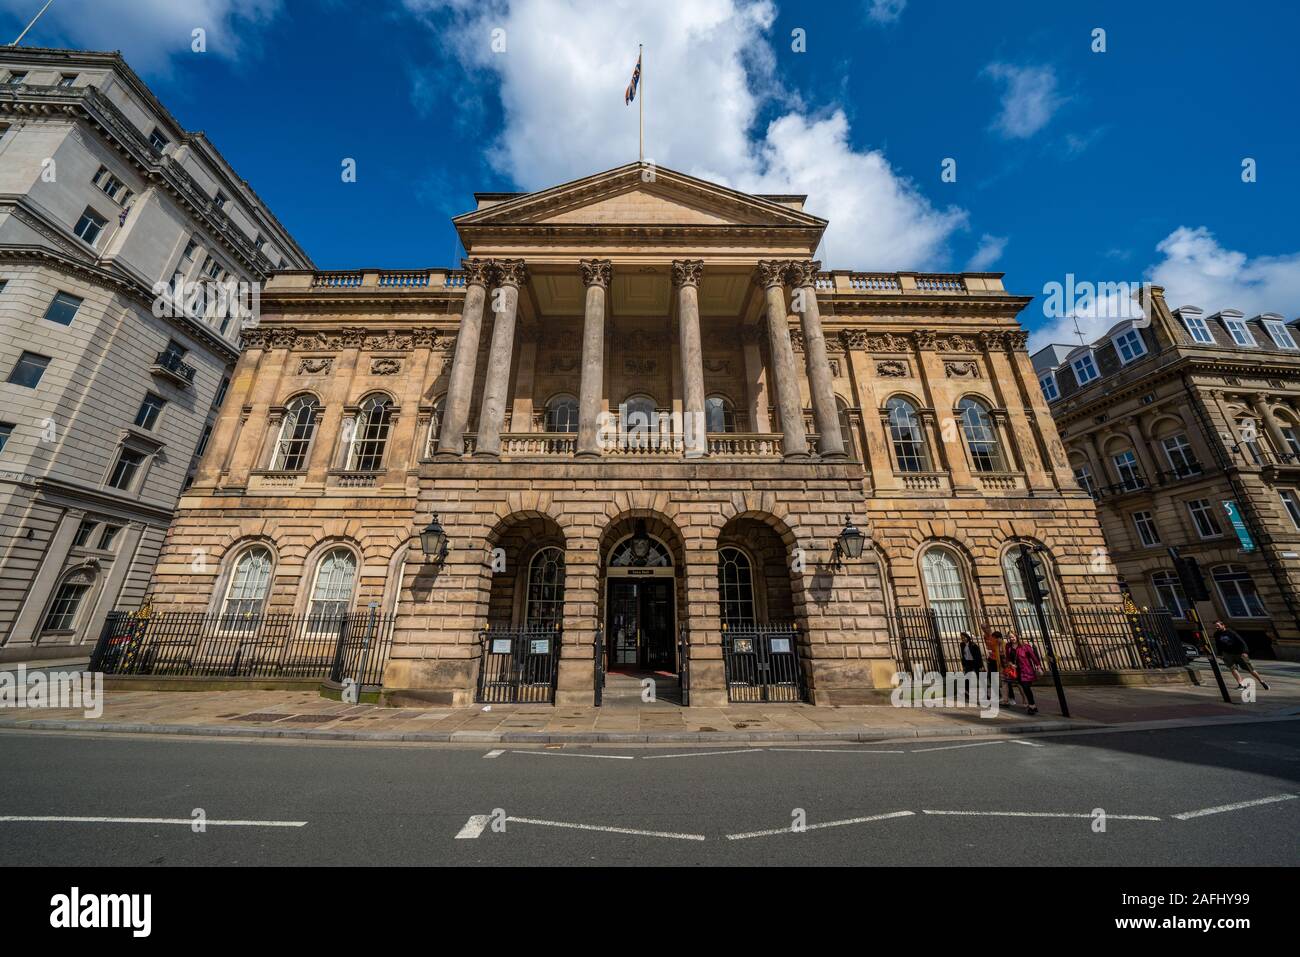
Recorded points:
(1028, 665)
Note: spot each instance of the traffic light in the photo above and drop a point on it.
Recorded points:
(1034, 575)
(1192, 579)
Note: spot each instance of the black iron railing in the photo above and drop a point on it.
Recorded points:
(170, 361)
(350, 646)
(518, 665)
(1085, 641)
(761, 663)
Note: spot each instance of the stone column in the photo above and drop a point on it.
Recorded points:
(1150, 468)
(511, 274)
(460, 384)
(794, 438)
(686, 277)
(1274, 431)
(596, 274)
(821, 389)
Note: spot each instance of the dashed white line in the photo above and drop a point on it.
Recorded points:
(578, 754)
(954, 747)
(816, 827)
(1234, 807)
(495, 753)
(1028, 744)
(62, 819)
(472, 828)
(837, 750)
(1109, 817)
(700, 754)
(610, 830)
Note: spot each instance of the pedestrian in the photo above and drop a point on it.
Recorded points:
(971, 659)
(1028, 665)
(1232, 648)
(993, 658)
(1009, 667)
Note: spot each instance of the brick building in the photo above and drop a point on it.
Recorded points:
(641, 407)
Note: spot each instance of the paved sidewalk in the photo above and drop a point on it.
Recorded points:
(304, 714)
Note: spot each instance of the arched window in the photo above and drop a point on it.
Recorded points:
(1023, 609)
(249, 583)
(981, 436)
(905, 432)
(296, 432)
(945, 590)
(370, 435)
(1249, 440)
(62, 615)
(545, 598)
(331, 592)
(846, 428)
(562, 414)
(625, 554)
(1237, 590)
(719, 414)
(736, 588)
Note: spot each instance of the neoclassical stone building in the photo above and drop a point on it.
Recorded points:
(640, 406)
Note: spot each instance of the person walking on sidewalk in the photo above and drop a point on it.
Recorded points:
(1009, 666)
(1028, 665)
(971, 659)
(1232, 648)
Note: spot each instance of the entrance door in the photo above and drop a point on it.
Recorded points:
(639, 624)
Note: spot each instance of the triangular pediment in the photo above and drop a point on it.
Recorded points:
(639, 195)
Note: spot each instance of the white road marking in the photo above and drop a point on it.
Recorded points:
(611, 830)
(473, 827)
(953, 747)
(824, 824)
(700, 754)
(60, 819)
(837, 750)
(1028, 744)
(1109, 817)
(495, 753)
(576, 754)
(1234, 807)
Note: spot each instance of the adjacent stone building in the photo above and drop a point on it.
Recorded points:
(104, 405)
(639, 406)
(1186, 430)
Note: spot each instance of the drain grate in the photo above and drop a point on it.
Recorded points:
(260, 716)
(304, 718)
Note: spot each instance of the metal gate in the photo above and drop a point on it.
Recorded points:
(518, 665)
(762, 663)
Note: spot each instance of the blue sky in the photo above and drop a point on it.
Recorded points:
(1117, 166)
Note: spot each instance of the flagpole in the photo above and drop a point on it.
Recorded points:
(640, 58)
(32, 24)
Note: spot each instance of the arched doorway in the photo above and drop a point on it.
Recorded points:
(640, 604)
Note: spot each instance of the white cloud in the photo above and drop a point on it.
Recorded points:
(1196, 270)
(148, 32)
(709, 72)
(885, 11)
(1028, 101)
(989, 252)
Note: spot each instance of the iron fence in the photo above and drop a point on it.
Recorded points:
(1084, 641)
(518, 665)
(761, 663)
(198, 644)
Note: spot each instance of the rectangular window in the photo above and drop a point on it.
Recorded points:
(1237, 590)
(157, 140)
(1291, 504)
(90, 226)
(1146, 529)
(17, 77)
(1085, 369)
(1239, 332)
(63, 308)
(1203, 517)
(63, 612)
(84, 531)
(67, 80)
(125, 468)
(150, 409)
(111, 186)
(1182, 461)
(1169, 591)
(1280, 333)
(6, 430)
(1198, 330)
(221, 199)
(1126, 467)
(203, 441)
(27, 371)
(221, 391)
(1083, 475)
(108, 536)
(1130, 346)
(1292, 444)
(1047, 382)
(190, 248)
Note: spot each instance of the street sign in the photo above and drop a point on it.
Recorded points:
(1239, 525)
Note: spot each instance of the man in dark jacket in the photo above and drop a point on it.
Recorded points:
(1233, 650)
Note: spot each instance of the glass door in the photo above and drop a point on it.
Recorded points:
(623, 628)
(657, 651)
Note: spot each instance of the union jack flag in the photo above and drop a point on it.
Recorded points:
(630, 94)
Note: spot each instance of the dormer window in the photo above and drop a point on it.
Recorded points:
(1280, 334)
(1130, 346)
(1085, 369)
(1239, 331)
(1047, 382)
(1197, 328)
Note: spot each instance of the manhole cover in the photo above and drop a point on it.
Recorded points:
(260, 716)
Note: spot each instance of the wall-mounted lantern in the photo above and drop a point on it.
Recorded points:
(850, 542)
(433, 540)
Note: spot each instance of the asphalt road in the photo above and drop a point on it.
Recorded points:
(311, 804)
